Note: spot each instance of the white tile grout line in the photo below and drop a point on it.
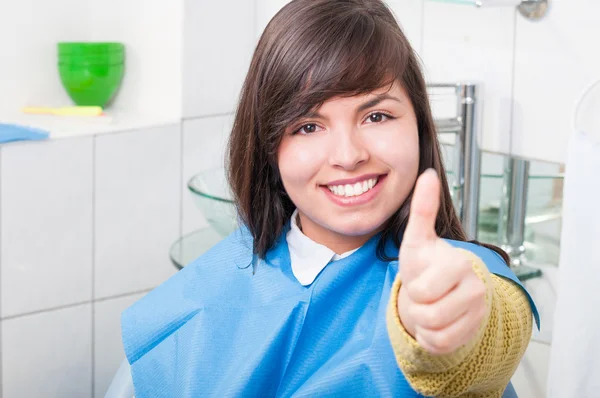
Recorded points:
(1, 369)
(512, 83)
(181, 178)
(93, 346)
(422, 29)
(123, 295)
(192, 118)
(77, 304)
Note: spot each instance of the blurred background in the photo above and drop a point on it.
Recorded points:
(106, 207)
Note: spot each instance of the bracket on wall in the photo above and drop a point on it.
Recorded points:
(534, 9)
(530, 9)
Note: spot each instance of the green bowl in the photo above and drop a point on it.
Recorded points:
(91, 85)
(85, 48)
(96, 59)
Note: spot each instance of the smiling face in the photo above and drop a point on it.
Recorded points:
(350, 164)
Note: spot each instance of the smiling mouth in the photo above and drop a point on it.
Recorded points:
(356, 189)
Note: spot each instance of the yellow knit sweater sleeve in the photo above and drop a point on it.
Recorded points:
(482, 368)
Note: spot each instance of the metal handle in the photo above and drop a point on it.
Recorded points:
(534, 9)
(468, 155)
(530, 9)
(516, 187)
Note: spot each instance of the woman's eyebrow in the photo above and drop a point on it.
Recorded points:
(313, 115)
(375, 101)
(369, 104)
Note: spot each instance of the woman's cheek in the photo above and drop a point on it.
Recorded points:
(300, 158)
(395, 146)
(307, 153)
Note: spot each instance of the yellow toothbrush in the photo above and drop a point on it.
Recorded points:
(66, 111)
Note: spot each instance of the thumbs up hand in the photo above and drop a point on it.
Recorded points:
(442, 301)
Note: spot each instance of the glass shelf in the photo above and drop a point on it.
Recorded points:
(213, 197)
(543, 218)
(191, 246)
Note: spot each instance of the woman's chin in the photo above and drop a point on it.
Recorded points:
(357, 229)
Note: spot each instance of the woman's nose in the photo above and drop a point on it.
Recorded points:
(347, 150)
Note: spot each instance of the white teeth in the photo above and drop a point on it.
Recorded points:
(349, 190)
(353, 190)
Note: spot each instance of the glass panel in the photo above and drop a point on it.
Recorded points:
(544, 204)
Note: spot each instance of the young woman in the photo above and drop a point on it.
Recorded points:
(350, 274)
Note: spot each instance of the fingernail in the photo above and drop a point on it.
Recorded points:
(431, 170)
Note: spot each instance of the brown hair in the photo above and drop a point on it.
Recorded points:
(311, 51)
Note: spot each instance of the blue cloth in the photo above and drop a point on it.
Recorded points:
(14, 132)
(215, 329)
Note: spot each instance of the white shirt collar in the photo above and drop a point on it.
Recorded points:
(308, 258)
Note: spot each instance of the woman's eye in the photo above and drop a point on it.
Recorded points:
(308, 129)
(377, 117)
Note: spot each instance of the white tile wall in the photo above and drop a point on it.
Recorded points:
(265, 11)
(48, 354)
(152, 31)
(218, 45)
(46, 224)
(463, 43)
(409, 14)
(28, 64)
(137, 213)
(108, 346)
(544, 292)
(556, 59)
(204, 142)
(531, 377)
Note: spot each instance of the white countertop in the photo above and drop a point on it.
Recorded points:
(75, 126)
